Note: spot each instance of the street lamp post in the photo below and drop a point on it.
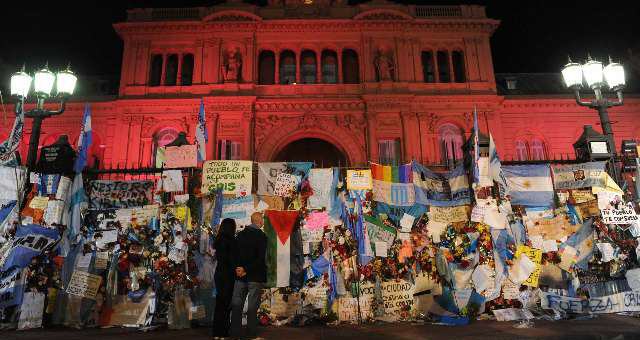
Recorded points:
(598, 78)
(43, 82)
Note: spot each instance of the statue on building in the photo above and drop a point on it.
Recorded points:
(232, 66)
(384, 66)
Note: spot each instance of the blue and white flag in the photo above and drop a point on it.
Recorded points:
(201, 134)
(30, 240)
(529, 185)
(12, 283)
(364, 246)
(84, 141)
(495, 167)
(582, 241)
(441, 189)
(78, 203)
(8, 147)
(576, 176)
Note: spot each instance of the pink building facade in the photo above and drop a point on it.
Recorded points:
(323, 81)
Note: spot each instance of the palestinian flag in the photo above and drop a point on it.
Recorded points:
(278, 226)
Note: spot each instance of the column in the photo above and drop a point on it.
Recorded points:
(277, 76)
(410, 138)
(198, 62)
(179, 75)
(121, 141)
(319, 79)
(164, 68)
(134, 149)
(373, 136)
(298, 56)
(452, 75)
(418, 76)
(436, 68)
(247, 120)
(339, 55)
(212, 125)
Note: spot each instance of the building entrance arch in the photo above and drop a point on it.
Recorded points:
(322, 153)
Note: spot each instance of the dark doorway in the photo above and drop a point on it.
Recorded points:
(321, 152)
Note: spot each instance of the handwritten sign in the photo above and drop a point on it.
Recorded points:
(102, 258)
(397, 297)
(359, 180)
(286, 184)
(582, 196)
(622, 215)
(31, 310)
(615, 303)
(579, 175)
(379, 232)
(551, 228)
(312, 235)
(535, 255)
(53, 214)
(317, 220)
(317, 297)
(510, 290)
(171, 181)
(84, 284)
(233, 177)
(105, 194)
(39, 202)
(449, 214)
(184, 156)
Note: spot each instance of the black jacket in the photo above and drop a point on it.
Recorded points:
(225, 269)
(251, 248)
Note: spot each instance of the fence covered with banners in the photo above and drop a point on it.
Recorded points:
(345, 245)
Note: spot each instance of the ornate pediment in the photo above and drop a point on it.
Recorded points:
(231, 15)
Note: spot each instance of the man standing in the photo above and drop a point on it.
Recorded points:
(251, 274)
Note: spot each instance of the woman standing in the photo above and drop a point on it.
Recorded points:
(224, 277)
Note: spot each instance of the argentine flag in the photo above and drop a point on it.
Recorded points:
(201, 134)
(529, 185)
(84, 141)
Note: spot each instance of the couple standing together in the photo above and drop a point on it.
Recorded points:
(241, 271)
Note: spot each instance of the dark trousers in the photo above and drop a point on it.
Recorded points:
(240, 292)
(221, 322)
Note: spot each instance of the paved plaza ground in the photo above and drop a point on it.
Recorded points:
(610, 327)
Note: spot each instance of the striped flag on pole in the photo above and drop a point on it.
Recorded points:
(201, 134)
(84, 141)
(476, 146)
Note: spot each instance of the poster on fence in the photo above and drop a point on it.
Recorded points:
(31, 311)
(398, 298)
(233, 177)
(84, 284)
(359, 180)
(286, 185)
(180, 156)
(104, 194)
(622, 215)
(615, 303)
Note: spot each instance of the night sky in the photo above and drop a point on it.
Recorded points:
(534, 36)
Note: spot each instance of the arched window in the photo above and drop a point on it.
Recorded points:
(350, 67)
(308, 67)
(287, 67)
(428, 71)
(451, 139)
(267, 68)
(443, 67)
(186, 78)
(160, 139)
(522, 154)
(537, 150)
(171, 72)
(457, 58)
(329, 67)
(155, 71)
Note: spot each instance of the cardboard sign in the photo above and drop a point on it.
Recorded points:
(535, 255)
(39, 202)
(458, 213)
(397, 297)
(622, 215)
(102, 258)
(552, 228)
(286, 184)
(184, 156)
(233, 177)
(359, 180)
(84, 284)
(582, 196)
(105, 194)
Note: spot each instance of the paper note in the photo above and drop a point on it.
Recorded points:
(83, 261)
(495, 218)
(172, 181)
(403, 236)
(39, 202)
(510, 290)
(537, 242)
(406, 222)
(606, 250)
(381, 249)
(550, 245)
(84, 284)
(317, 220)
(435, 229)
(53, 214)
(359, 179)
(449, 214)
(481, 278)
(477, 214)
(102, 258)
